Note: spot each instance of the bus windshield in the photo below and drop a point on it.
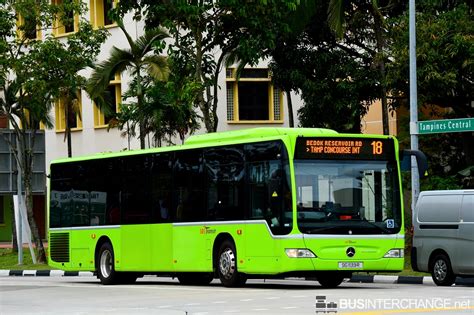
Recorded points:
(347, 197)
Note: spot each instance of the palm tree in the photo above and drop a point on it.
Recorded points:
(72, 110)
(137, 59)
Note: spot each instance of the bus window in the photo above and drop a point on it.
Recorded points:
(188, 186)
(268, 185)
(225, 183)
(136, 195)
(161, 178)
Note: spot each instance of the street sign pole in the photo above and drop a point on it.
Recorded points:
(415, 179)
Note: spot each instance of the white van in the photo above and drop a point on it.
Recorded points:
(443, 240)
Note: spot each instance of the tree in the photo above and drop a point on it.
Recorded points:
(445, 82)
(31, 76)
(363, 25)
(139, 58)
(337, 82)
(209, 34)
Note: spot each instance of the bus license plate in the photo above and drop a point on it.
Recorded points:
(351, 265)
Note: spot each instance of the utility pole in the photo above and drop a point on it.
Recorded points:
(415, 178)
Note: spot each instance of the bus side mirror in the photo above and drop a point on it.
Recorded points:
(421, 160)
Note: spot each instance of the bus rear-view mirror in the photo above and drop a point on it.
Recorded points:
(421, 160)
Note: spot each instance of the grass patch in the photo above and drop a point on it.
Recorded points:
(9, 261)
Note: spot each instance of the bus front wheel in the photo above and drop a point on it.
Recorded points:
(105, 266)
(227, 266)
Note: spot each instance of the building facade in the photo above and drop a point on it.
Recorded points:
(251, 101)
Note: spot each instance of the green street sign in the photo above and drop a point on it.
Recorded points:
(445, 125)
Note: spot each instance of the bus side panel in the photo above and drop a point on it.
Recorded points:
(190, 249)
(80, 247)
(136, 246)
(162, 247)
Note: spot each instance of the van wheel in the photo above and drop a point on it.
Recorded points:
(441, 271)
(227, 266)
(105, 265)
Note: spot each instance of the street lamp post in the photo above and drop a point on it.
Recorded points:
(415, 179)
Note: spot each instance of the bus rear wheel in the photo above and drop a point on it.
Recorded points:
(227, 266)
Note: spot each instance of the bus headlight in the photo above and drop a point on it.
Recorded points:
(299, 253)
(395, 253)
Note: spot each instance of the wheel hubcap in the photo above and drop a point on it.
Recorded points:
(106, 263)
(440, 270)
(227, 263)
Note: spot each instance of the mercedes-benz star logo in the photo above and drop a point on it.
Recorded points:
(350, 251)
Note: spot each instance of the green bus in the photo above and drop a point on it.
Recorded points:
(255, 203)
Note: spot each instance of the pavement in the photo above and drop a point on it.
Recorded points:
(395, 279)
(355, 278)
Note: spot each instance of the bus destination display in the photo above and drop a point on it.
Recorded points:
(344, 148)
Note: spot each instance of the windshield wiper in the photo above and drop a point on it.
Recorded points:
(326, 228)
(381, 228)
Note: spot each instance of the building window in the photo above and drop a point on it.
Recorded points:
(100, 12)
(27, 27)
(75, 112)
(31, 124)
(114, 98)
(65, 22)
(252, 98)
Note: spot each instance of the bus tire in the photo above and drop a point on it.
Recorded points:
(441, 271)
(227, 265)
(330, 280)
(105, 265)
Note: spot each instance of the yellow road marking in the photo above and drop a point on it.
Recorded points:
(410, 310)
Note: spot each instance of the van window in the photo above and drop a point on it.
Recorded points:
(467, 210)
(439, 208)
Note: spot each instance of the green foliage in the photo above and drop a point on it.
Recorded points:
(445, 83)
(436, 182)
(209, 34)
(33, 73)
(145, 66)
(337, 82)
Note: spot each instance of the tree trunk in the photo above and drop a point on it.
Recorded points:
(31, 219)
(67, 129)
(142, 130)
(291, 120)
(27, 171)
(203, 105)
